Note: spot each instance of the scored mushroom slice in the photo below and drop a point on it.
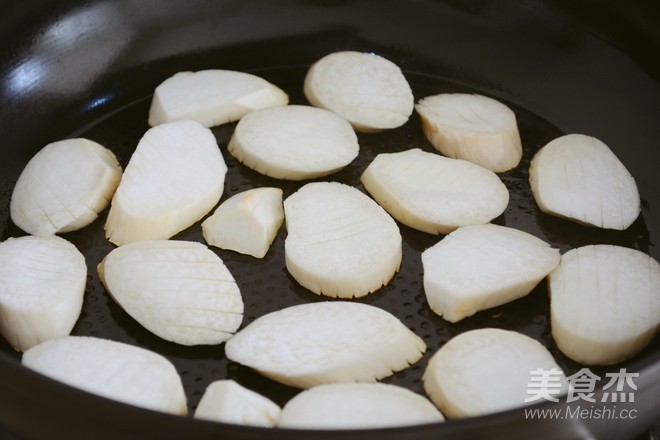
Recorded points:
(64, 187)
(489, 370)
(246, 222)
(212, 97)
(178, 290)
(472, 127)
(228, 402)
(326, 342)
(111, 369)
(482, 266)
(175, 177)
(357, 406)
(432, 193)
(579, 178)
(604, 303)
(294, 142)
(42, 284)
(368, 90)
(340, 243)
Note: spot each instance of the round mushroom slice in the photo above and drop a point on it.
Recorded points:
(604, 303)
(578, 177)
(326, 342)
(294, 142)
(212, 97)
(340, 243)
(42, 284)
(178, 290)
(64, 187)
(368, 90)
(490, 370)
(357, 406)
(472, 127)
(111, 369)
(432, 193)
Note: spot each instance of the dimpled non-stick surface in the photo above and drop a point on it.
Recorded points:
(265, 284)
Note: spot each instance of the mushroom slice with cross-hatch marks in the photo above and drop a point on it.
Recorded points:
(326, 342)
(178, 290)
(111, 369)
(604, 303)
(42, 284)
(368, 90)
(340, 243)
(579, 178)
(174, 178)
(64, 187)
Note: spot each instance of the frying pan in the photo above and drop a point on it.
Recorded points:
(88, 68)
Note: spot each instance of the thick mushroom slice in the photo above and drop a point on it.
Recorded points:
(212, 97)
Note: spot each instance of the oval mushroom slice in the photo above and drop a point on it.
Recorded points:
(578, 177)
(246, 222)
(111, 369)
(357, 406)
(64, 187)
(472, 127)
(489, 370)
(294, 142)
(42, 284)
(432, 193)
(604, 303)
(340, 243)
(212, 97)
(326, 342)
(179, 290)
(482, 266)
(228, 402)
(368, 90)
(175, 177)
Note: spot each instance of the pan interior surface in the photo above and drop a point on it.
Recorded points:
(564, 95)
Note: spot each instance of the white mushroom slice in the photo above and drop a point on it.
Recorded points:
(111, 369)
(42, 284)
(326, 342)
(340, 243)
(357, 406)
(368, 90)
(294, 142)
(228, 402)
(482, 266)
(604, 303)
(578, 177)
(212, 97)
(174, 178)
(246, 222)
(178, 290)
(472, 127)
(64, 187)
(489, 370)
(432, 193)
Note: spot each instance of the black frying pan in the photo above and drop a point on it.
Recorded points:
(88, 68)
